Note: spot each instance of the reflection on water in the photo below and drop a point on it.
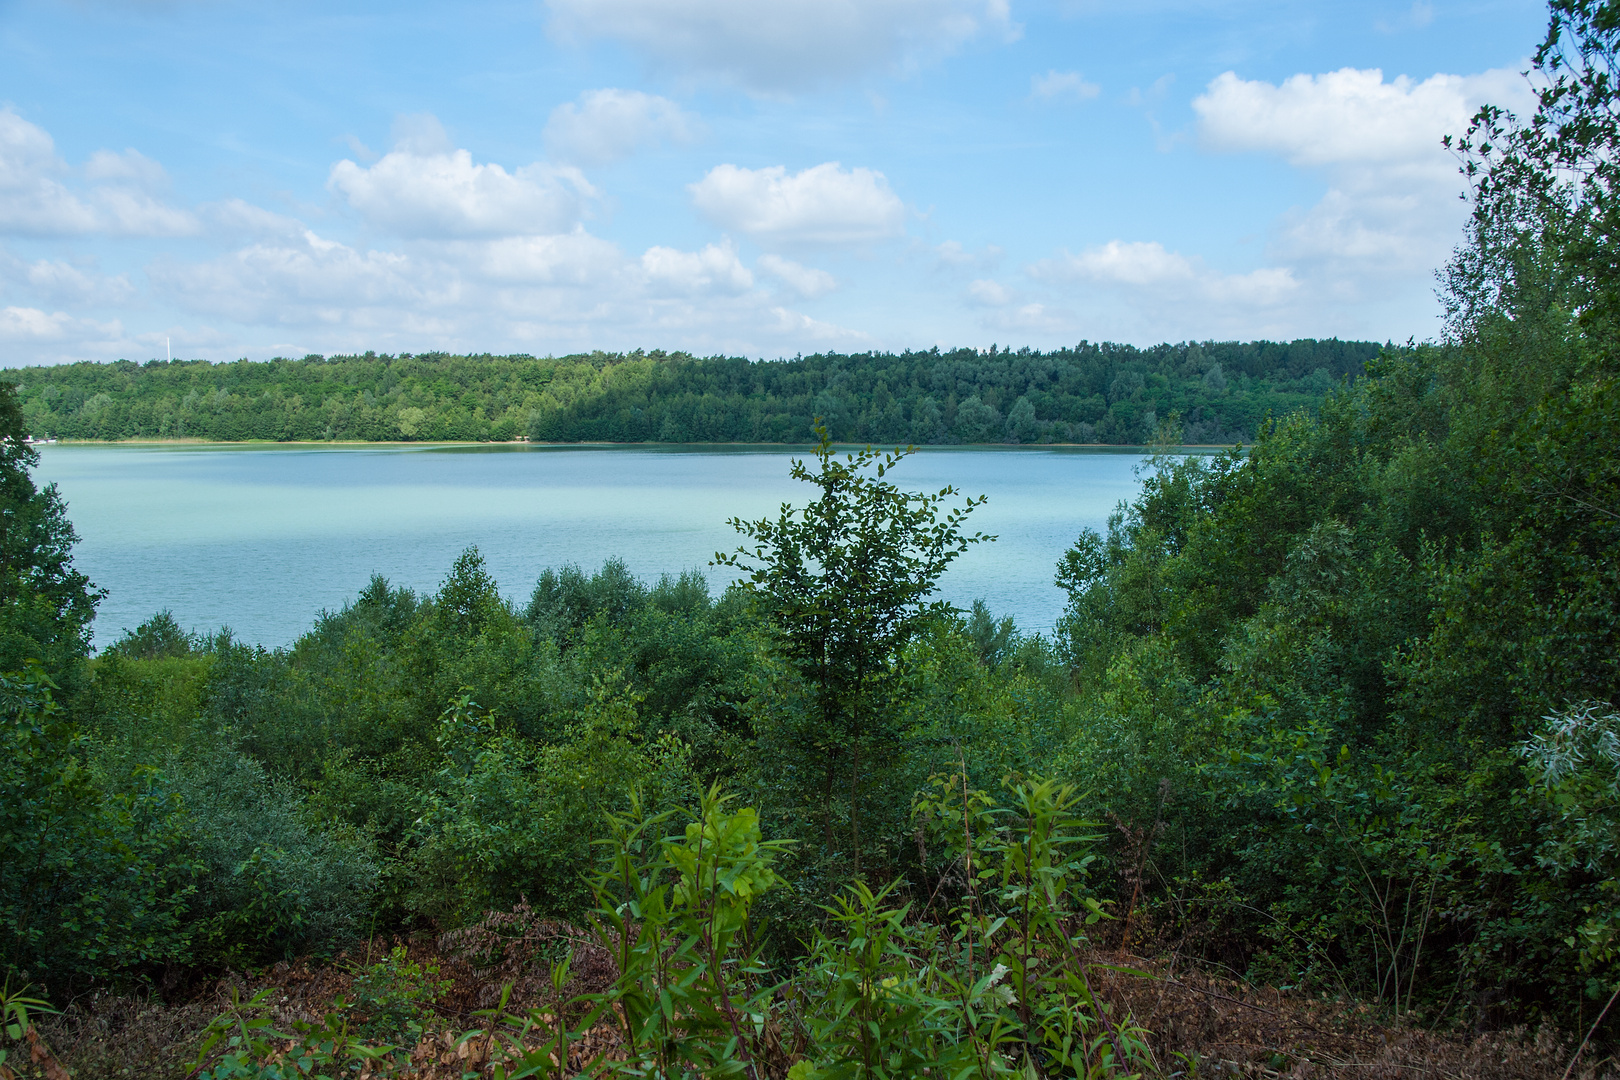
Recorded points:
(261, 538)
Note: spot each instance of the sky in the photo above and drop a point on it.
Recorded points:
(217, 179)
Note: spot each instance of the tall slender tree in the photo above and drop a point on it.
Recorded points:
(846, 582)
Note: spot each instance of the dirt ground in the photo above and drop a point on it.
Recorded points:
(1202, 1025)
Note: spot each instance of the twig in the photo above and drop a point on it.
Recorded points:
(1582, 1048)
(931, 897)
(1589, 506)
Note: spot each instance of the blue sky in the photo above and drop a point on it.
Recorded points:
(730, 176)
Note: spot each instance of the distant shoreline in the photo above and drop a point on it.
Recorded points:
(583, 445)
(1210, 394)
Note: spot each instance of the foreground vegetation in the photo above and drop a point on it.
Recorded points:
(1339, 714)
(1222, 391)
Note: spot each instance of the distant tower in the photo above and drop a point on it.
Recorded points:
(168, 352)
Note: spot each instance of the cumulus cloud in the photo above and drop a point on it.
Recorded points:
(20, 324)
(60, 283)
(32, 200)
(129, 167)
(1392, 205)
(1347, 116)
(56, 336)
(1121, 263)
(536, 292)
(573, 259)
(1062, 85)
(422, 188)
(826, 204)
(452, 253)
(315, 280)
(1148, 268)
(132, 212)
(807, 281)
(714, 269)
(605, 126)
(1144, 291)
(444, 195)
(35, 199)
(784, 46)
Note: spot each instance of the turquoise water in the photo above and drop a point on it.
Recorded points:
(261, 539)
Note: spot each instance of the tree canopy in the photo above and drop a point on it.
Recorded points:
(1220, 392)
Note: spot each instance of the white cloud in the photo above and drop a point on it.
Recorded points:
(32, 201)
(1117, 262)
(608, 125)
(316, 280)
(476, 256)
(1388, 216)
(567, 259)
(795, 325)
(421, 188)
(50, 337)
(236, 216)
(1030, 318)
(1141, 291)
(714, 269)
(35, 201)
(60, 283)
(987, 293)
(1003, 309)
(1057, 85)
(807, 281)
(825, 204)
(785, 45)
(1391, 207)
(1347, 116)
(359, 149)
(131, 212)
(20, 323)
(129, 167)
(951, 255)
(1148, 268)
(538, 293)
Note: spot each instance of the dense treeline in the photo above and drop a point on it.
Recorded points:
(1342, 713)
(1220, 392)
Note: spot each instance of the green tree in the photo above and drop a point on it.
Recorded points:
(92, 883)
(1552, 182)
(845, 583)
(45, 604)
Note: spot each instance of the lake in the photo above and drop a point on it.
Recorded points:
(263, 538)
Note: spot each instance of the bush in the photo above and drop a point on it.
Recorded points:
(95, 882)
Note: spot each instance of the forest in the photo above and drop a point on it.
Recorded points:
(1318, 776)
(1218, 392)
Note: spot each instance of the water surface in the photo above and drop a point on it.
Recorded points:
(263, 538)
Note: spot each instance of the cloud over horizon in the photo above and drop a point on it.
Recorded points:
(824, 204)
(422, 188)
(1392, 201)
(717, 175)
